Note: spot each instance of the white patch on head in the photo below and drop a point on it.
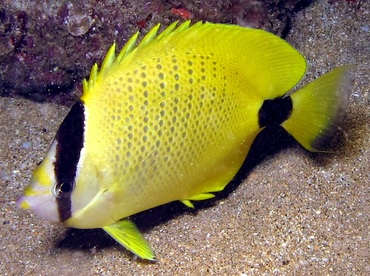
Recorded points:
(43, 206)
(38, 196)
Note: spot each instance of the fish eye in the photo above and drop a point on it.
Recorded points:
(65, 188)
(62, 188)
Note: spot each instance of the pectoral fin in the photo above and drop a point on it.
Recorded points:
(127, 234)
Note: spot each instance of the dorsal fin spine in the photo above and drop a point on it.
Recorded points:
(108, 60)
(128, 48)
(151, 35)
(87, 85)
(185, 25)
(168, 30)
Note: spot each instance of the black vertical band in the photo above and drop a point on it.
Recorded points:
(69, 139)
(275, 111)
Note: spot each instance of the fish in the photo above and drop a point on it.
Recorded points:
(172, 118)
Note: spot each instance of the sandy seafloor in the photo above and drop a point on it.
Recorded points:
(295, 212)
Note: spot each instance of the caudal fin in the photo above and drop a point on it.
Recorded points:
(319, 108)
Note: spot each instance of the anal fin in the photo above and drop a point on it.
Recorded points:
(188, 202)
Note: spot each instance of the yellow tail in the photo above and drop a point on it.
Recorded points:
(319, 108)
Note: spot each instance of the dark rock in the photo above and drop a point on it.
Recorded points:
(46, 48)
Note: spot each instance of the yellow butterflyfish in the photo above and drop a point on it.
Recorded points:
(173, 118)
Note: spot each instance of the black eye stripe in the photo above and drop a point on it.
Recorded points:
(69, 138)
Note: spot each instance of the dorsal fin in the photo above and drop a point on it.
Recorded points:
(111, 60)
(128, 48)
(108, 60)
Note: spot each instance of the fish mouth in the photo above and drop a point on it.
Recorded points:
(41, 205)
(22, 203)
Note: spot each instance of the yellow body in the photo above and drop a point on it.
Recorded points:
(176, 120)
(173, 118)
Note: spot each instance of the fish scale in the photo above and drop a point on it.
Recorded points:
(173, 118)
(148, 94)
(150, 122)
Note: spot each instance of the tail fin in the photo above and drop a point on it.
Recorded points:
(319, 108)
